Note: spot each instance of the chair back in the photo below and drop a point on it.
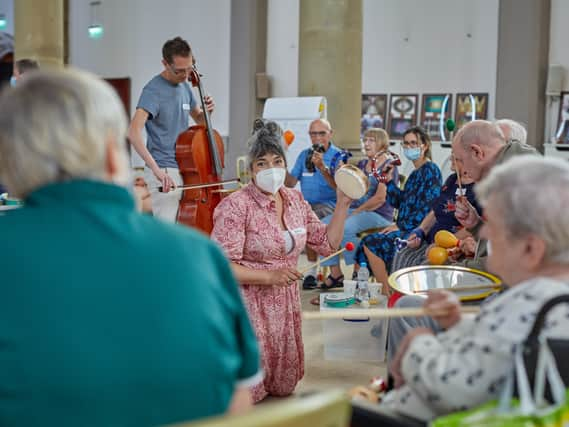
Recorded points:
(328, 409)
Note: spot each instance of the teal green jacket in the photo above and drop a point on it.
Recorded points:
(113, 318)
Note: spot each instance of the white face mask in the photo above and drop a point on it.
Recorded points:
(270, 180)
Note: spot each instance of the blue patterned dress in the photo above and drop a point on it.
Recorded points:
(413, 202)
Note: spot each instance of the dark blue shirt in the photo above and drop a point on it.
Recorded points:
(444, 206)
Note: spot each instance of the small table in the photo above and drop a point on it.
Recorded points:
(362, 339)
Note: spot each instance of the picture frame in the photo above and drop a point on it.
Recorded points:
(562, 134)
(463, 108)
(432, 112)
(374, 107)
(402, 114)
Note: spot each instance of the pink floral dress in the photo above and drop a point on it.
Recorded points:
(247, 227)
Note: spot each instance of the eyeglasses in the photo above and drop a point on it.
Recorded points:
(413, 144)
(321, 133)
(180, 71)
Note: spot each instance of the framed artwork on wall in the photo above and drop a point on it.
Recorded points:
(470, 106)
(373, 111)
(434, 112)
(402, 114)
(562, 135)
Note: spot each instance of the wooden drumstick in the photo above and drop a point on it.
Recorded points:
(458, 172)
(382, 313)
(462, 288)
(349, 247)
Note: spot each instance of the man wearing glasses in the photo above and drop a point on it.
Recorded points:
(163, 109)
(316, 180)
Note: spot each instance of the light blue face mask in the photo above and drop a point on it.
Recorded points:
(13, 81)
(412, 153)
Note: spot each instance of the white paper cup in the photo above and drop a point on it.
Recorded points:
(350, 287)
(374, 292)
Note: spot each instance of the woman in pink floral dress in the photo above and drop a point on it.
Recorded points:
(263, 228)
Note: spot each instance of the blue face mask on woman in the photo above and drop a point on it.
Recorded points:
(412, 153)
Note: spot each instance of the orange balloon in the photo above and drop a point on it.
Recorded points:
(437, 255)
(445, 239)
(288, 136)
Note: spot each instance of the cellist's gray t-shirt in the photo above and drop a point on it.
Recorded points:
(168, 107)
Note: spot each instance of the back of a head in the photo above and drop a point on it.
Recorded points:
(481, 132)
(532, 196)
(54, 127)
(513, 131)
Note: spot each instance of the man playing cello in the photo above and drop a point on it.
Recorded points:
(163, 109)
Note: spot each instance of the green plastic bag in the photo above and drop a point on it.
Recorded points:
(531, 410)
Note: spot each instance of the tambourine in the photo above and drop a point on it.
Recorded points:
(381, 174)
(349, 178)
(419, 279)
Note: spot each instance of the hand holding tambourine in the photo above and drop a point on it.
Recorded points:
(349, 179)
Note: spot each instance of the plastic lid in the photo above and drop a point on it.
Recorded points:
(363, 264)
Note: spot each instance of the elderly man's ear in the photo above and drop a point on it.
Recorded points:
(477, 152)
(116, 163)
(533, 254)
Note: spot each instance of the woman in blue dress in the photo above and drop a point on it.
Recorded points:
(413, 203)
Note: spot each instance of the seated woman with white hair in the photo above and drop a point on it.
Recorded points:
(525, 203)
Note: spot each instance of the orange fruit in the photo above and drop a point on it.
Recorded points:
(437, 255)
(445, 239)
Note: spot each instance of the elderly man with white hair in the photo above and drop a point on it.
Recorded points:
(477, 147)
(512, 130)
(108, 317)
(466, 365)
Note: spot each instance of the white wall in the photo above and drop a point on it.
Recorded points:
(134, 32)
(7, 8)
(438, 56)
(417, 46)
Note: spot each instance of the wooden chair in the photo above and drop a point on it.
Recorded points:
(328, 409)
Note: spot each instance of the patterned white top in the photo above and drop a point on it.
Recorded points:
(466, 365)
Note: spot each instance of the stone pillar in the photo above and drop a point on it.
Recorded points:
(38, 31)
(523, 52)
(248, 56)
(330, 62)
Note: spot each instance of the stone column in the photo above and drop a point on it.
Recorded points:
(330, 62)
(38, 31)
(523, 51)
(248, 55)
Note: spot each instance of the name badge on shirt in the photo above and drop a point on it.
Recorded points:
(307, 174)
(460, 192)
(298, 231)
(186, 107)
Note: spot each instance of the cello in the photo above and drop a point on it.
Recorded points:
(200, 157)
